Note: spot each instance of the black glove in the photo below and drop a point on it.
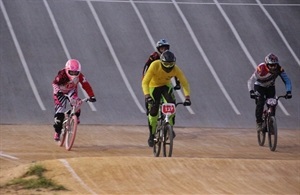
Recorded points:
(59, 94)
(177, 87)
(252, 94)
(149, 100)
(288, 95)
(187, 102)
(92, 99)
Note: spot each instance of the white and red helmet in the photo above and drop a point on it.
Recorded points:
(73, 68)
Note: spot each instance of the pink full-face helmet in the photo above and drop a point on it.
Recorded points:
(73, 68)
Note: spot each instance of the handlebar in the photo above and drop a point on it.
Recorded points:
(83, 100)
(180, 103)
(277, 98)
(281, 96)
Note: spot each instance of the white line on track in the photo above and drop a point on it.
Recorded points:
(7, 156)
(75, 176)
(22, 58)
(61, 39)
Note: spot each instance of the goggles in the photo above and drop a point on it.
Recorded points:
(168, 64)
(73, 72)
(272, 65)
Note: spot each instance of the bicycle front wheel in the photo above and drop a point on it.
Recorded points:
(261, 136)
(168, 141)
(272, 133)
(157, 143)
(71, 132)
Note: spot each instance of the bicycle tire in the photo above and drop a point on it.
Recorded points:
(168, 141)
(261, 136)
(157, 144)
(71, 133)
(272, 133)
(62, 137)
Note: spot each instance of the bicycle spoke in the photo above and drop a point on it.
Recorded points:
(272, 134)
(71, 133)
(168, 141)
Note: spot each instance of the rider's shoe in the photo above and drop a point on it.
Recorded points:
(151, 140)
(56, 137)
(259, 126)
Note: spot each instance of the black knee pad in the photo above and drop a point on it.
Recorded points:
(173, 120)
(78, 113)
(58, 121)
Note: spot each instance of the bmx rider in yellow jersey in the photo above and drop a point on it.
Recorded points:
(156, 84)
(161, 46)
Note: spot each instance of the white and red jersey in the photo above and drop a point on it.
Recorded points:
(64, 84)
(264, 78)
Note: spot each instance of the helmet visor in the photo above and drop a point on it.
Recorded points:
(73, 72)
(272, 65)
(168, 64)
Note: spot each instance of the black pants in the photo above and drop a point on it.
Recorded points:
(157, 93)
(265, 93)
(165, 92)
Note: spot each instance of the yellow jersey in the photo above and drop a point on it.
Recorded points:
(156, 77)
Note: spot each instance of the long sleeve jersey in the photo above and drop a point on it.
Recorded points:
(156, 77)
(154, 56)
(264, 78)
(64, 84)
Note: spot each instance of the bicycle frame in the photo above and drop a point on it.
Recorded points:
(70, 122)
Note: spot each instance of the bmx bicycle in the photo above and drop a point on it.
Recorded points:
(70, 123)
(163, 137)
(269, 124)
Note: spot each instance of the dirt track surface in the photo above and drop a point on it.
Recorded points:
(117, 160)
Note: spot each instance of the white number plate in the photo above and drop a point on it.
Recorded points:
(271, 101)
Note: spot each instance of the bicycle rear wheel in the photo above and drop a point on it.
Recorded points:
(261, 136)
(168, 141)
(71, 132)
(157, 143)
(272, 133)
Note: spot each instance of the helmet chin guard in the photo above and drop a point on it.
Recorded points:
(73, 68)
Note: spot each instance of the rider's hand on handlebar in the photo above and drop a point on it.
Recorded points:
(92, 99)
(177, 86)
(288, 95)
(187, 102)
(252, 94)
(149, 99)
